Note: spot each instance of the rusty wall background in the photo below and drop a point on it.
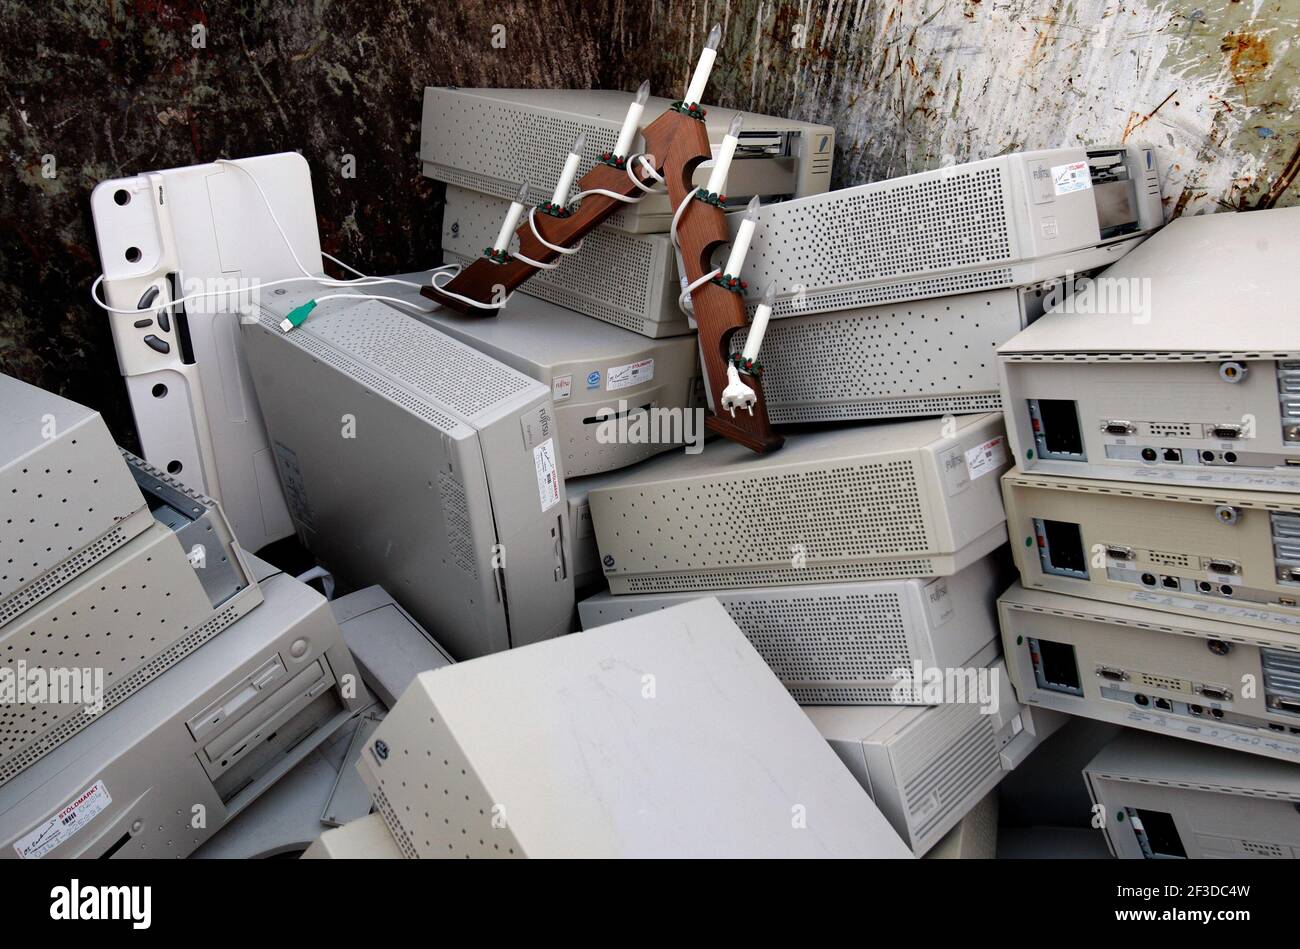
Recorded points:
(95, 90)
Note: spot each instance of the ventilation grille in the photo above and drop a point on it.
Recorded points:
(270, 321)
(884, 408)
(1168, 559)
(1262, 848)
(856, 695)
(401, 836)
(871, 234)
(841, 512)
(39, 589)
(433, 364)
(492, 146)
(926, 349)
(848, 638)
(36, 747)
(750, 577)
(950, 778)
(456, 518)
(614, 279)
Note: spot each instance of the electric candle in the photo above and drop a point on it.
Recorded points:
(511, 222)
(702, 69)
(740, 246)
(561, 196)
(726, 151)
(631, 121)
(758, 328)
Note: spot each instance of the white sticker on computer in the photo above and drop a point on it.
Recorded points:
(631, 374)
(548, 474)
(987, 458)
(1071, 177)
(75, 815)
(561, 388)
(937, 601)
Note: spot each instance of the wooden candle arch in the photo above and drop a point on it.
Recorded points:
(679, 143)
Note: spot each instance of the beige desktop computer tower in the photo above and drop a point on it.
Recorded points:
(911, 499)
(660, 736)
(415, 462)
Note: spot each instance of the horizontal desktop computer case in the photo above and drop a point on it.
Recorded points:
(492, 140)
(1165, 799)
(1189, 677)
(1206, 551)
(854, 642)
(1182, 366)
(169, 766)
(909, 499)
(662, 735)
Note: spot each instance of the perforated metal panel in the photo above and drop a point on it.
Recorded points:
(832, 505)
(848, 643)
(411, 460)
(557, 751)
(67, 500)
(960, 229)
(491, 140)
(117, 617)
(625, 279)
(926, 357)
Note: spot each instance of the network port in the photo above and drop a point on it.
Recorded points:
(1170, 583)
(1172, 454)
(1163, 704)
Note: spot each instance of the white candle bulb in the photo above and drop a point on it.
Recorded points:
(758, 328)
(726, 151)
(702, 69)
(561, 196)
(632, 121)
(511, 222)
(740, 246)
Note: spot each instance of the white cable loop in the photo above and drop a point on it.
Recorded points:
(695, 284)
(442, 288)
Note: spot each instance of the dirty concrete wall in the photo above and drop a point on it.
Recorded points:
(95, 90)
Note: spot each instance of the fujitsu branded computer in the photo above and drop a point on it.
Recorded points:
(491, 140)
(663, 735)
(67, 499)
(1181, 365)
(80, 651)
(1159, 798)
(218, 226)
(416, 462)
(1010, 221)
(366, 838)
(629, 280)
(1205, 680)
(597, 374)
(1217, 553)
(850, 643)
(167, 767)
(910, 499)
(926, 768)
